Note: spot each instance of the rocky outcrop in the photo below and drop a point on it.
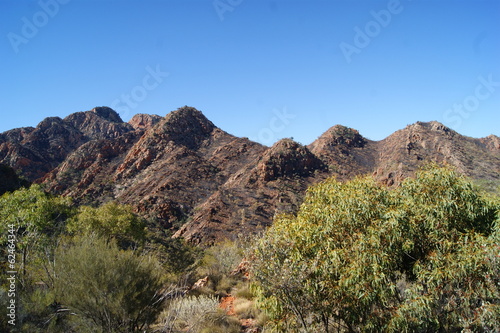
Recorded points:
(143, 121)
(340, 137)
(287, 158)
(88, 170)
(345, 151)
(99, 123)
(403, 152)
(263, 187)
(34, 152)
(188, 176)
(492, 142)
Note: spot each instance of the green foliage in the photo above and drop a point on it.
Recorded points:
(82, 281)
(175, 254)
(38, 219)
(115, 289)
(361, 257)
(32, 212)
(218, 261)
(40, 312)
(111, 220)
(188, 313)
(4, 302)
(243, 290)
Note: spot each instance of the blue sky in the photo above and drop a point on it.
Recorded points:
(256, 68)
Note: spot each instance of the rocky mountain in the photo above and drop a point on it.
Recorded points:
(185, 174)
(36, 151)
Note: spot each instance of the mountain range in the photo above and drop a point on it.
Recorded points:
(186, 175)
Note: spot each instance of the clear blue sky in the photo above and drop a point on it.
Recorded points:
(375, 66)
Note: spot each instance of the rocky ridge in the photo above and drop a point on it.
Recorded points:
(186, 175)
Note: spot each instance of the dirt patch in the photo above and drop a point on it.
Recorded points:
(227, 303)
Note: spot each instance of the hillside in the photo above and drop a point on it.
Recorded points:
(185, 174)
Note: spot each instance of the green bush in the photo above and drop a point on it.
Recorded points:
(115, 289)
(111, 220)
(218, 262)
(83, 281)
(361, 257)
(33, 221)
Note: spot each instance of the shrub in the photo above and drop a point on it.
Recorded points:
(361, 257)
(245, 308)
(217, 263)
(196, 314)
(115, 289)
(242, 290)
(111, 220)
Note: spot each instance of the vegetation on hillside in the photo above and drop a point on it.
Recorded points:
(357, 257)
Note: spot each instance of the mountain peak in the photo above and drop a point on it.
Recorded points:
(338, 136)
(287, 158)
(98, 123)
(187, 126)
(107, 113)
(188, 111)
(182, 167)
(492, 142)
(188, 115)
(49, 122)
(433, 125)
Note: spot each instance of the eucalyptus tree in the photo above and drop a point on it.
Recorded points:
(360, 257)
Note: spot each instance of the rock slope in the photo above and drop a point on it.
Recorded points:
(185, 174)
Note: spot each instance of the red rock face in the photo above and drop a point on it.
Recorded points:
(187, 175)
(492, 142)
(36, 151)
(402, 153)
(144, 121)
